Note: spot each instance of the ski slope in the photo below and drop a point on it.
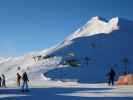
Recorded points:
(57, 90)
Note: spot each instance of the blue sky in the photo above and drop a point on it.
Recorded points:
(30, 25)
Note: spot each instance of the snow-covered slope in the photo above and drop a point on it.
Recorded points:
(94, 26)
(105, 43)
(11, 66)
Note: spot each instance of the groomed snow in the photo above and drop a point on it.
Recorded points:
(56, 90)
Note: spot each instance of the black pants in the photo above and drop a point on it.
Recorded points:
(4, 83)
(111, 81)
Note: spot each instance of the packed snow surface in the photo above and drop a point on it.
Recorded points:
(57, 90)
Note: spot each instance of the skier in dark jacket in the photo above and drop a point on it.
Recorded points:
(0, 81)
(18, 79)
(25, 82)
(3, 81)
(111, 77)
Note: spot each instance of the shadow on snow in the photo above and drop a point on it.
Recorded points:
(54, 94)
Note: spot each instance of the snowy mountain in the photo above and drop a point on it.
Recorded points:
(103, 43)
(95, 26)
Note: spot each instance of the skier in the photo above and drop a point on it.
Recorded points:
(3, 81)
(18, 79)
(0, 81)
(25, 82)
(111, 77)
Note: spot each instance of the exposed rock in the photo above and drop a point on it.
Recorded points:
(125, 80)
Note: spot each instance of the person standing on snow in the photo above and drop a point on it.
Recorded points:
(25, 82)
(0, 81)
(111, 77)
(3, 81)
(18, 79)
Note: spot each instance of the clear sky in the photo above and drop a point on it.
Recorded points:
(30, 25)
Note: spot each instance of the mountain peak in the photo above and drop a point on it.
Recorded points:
(96, 25)
(94, 19)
